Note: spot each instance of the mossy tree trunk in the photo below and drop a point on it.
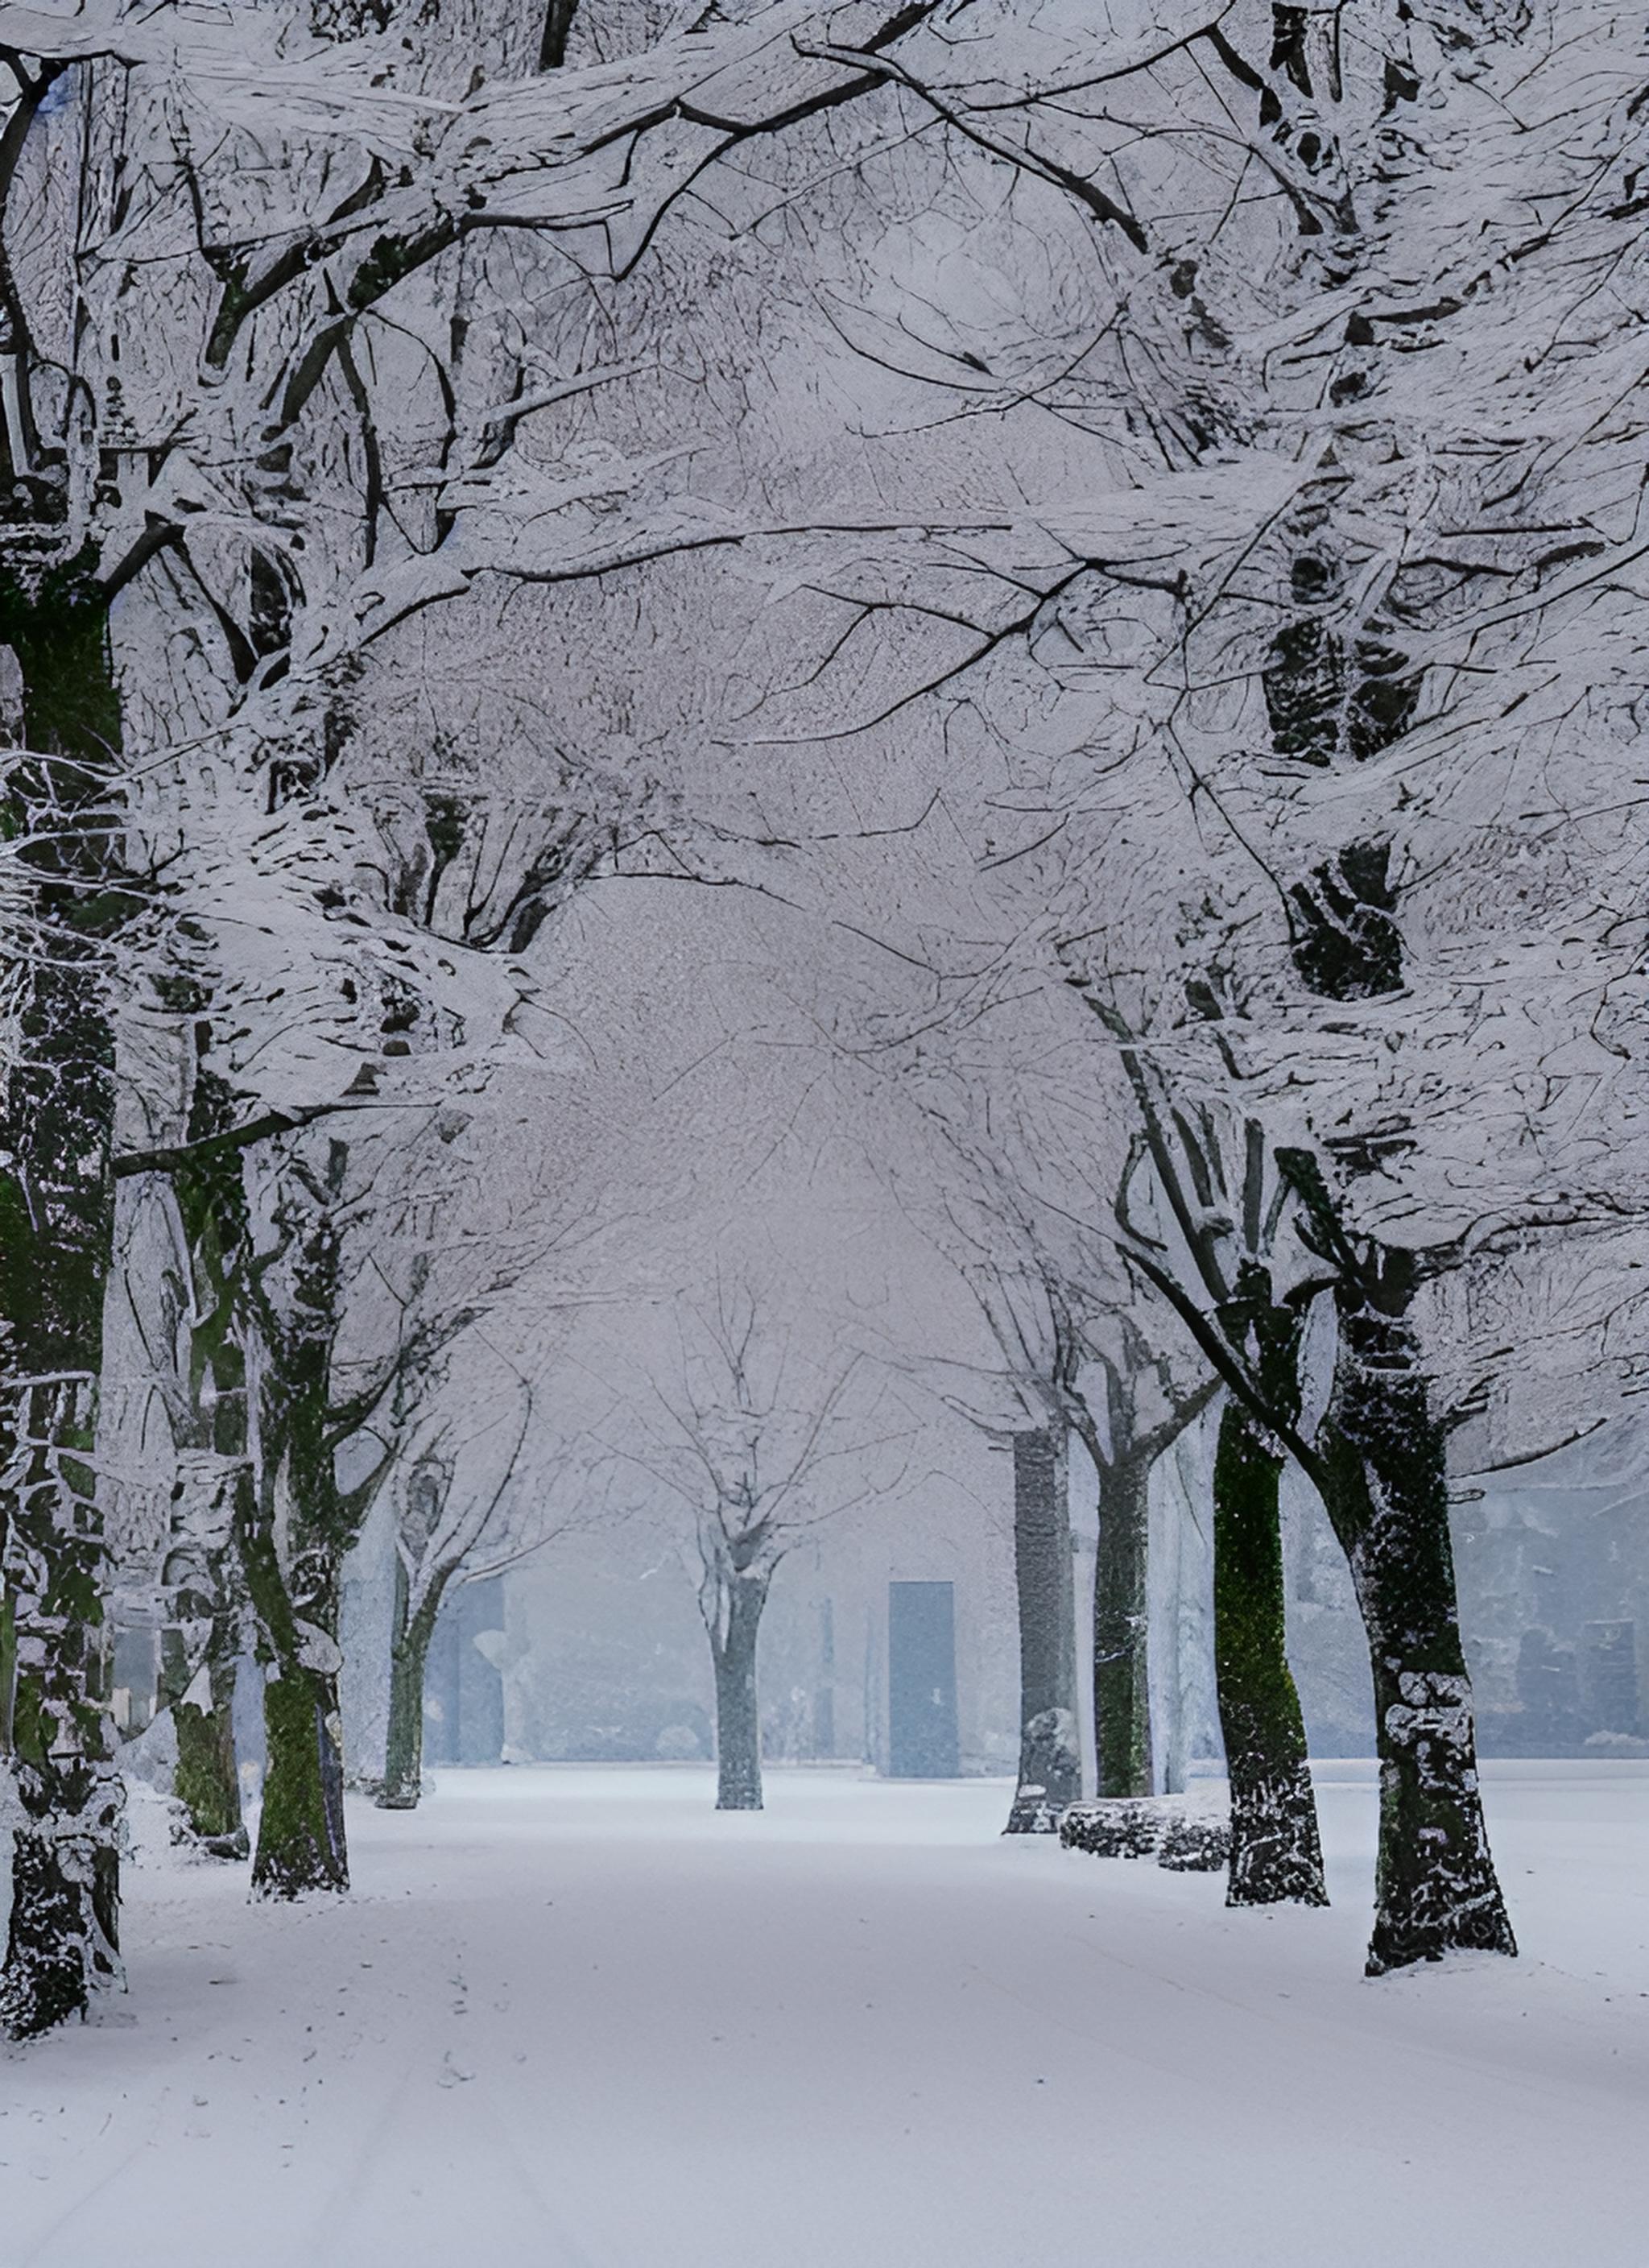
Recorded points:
(301, 1844)
(1124, 1456)
(207, 1781)
(1386, 1488)
(731, 1600)
(1050, 1760)
(199, 1651)
(201, 1644)
(1122, 1688)
(58, 808)
(408, 1656)
(1276, 1851)
(1382, 1468)
(294, 1525)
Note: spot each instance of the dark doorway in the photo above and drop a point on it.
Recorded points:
(921, 1682)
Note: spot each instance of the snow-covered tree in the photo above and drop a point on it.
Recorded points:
(222, 242)
(1246, 715)
(1152, 503)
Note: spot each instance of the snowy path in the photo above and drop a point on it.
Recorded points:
(572, 2019)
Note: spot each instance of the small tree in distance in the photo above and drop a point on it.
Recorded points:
(764, 1435)
(480, 1491)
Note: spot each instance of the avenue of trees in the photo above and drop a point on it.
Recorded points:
(1100, 553)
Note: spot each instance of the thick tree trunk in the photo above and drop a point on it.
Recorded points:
(291, 1558)
(408, 1653)
(300, 1834)
(732, 1644)
(213, 1443)
(559, 21)
(56, 1232)
(206, 1781)
(301, 1845)
(1050, 1760)
(64, 1937)
(1121, 1691)
(1276, 1853)
(1387, 1493)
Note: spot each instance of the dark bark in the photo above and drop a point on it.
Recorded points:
(1122, 1692)
(1050, 1761)
(56, 1232)
(301, 1844)
(206, 1780)
(1382, 1468)
(293, 1582)
(1275, 1852)
(408, 1653)
(733, 1620)
(201, 1575)
(1386, 1488)
(559, 17)
(293, 1564)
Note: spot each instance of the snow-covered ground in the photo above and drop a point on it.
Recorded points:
(573, 2019)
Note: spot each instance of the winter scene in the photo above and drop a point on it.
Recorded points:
(824, 1201)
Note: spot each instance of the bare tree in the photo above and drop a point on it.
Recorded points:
(763, 1432)
(1144, 1407)
(1219, 1223)
(478, 1490)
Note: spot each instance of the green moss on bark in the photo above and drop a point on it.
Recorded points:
(1382, 1454)
(301, 1844)
(1276, 1851)
(1387, 1493)
(409, 1655)
(206, 1780)
(56, 1228)
(300, 1833)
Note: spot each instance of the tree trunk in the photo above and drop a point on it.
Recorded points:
(64, 1937)
(409, 1652)
(300, 1834)
(1050, 1761)
(301, 1844)
(732, 1643)
(1387, 1495)
(206, 1781)
(824, 1721)
(1121, 1691)
(1275, 1850)
(292, 1562)
(212, 1441)
(558, 22)
(56, 1237)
